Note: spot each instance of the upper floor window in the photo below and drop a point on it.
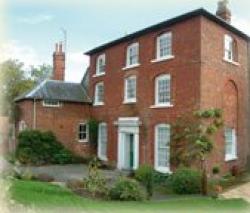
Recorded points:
(230, 49)
(100, 64)
(230, 144)
(163, 90)
(132, 55)
(99, 94)
(51, 103)
(83, 132)
(130, 89)
(164, 46)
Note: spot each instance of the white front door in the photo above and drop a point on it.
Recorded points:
(128, 144)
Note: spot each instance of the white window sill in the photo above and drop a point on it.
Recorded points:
(98, 75)
(162, 59)
(163, 170)
(131, 66)
(161, 106)
(98, 104)
(230, 158)
(231, 62)
(83, 141)
(129, 101)
(103, 158)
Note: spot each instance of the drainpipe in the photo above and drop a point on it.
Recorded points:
(248, 101)
(34, 113)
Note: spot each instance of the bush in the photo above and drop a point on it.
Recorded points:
(145, 175)
(95, 183)
(39, 148)
(186, 181)
(126, 190)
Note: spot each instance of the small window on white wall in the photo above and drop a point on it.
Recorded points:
(132, 55)
(164, 46)
(83, 132)
(100, 64)
(230, 144)
(162, 148)
(130, 89)
(102, 141)
(163, 90)
(99, 94)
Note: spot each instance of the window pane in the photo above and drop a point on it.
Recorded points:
(163, 90)
(103, 139)
(131, 88)
(133, 54)
(165, 45)
(163, 144)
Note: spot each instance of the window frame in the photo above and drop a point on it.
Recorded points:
(167, 35)
(157, 79)
(99, 151)
(126, 99)
(58, 104)
(128, 54)
(156, 144)
(79, 132)
(96, 93)
(99, 58)
(233, 154)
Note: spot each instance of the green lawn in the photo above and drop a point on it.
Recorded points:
(43, 195)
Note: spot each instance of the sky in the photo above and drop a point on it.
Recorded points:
(34, 26)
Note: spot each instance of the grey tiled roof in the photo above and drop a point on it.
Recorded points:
(57, 90)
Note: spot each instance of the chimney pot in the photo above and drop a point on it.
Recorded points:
(223, 11)
(60, 47)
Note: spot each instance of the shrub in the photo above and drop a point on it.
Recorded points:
(95, 183)
(216, 170)
(145, 175)
(38, 148)
(186, 181)
(126, 190)
(160, 178)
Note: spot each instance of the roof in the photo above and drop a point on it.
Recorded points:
(168, 23)
(57, 90)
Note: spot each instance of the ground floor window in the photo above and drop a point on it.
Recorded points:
(102, 141)
(162, 148)
(230, 144)
(83, 132)
(22, 126)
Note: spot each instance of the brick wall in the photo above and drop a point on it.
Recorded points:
(200, 79)
(225, 85)
(63, 121)
(184, 70)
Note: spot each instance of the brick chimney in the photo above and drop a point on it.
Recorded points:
(223, 11)
(58, 63)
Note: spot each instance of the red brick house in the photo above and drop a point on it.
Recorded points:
(139, 84)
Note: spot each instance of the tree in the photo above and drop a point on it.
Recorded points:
(41, 73)
(14, 82)
(192, 139)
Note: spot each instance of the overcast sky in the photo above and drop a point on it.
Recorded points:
(33, 26)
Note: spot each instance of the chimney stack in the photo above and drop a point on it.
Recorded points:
(58, 63)
(223, 11)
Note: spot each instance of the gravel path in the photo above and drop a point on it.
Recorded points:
(242, 191)
(62, 173)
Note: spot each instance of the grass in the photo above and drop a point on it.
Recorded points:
(43, 195)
